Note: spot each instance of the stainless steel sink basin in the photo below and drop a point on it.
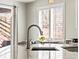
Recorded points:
(44, 49)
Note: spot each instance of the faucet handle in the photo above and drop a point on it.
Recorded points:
(33, 41)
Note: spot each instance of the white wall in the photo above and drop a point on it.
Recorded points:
(71, 19)
(22, 22)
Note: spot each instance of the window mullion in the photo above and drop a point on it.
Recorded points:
(49, 24)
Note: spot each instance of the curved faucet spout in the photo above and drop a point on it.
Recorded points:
(28, 41)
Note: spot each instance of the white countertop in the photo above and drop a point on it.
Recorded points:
(73, 45)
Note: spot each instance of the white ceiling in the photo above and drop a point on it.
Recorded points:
(26, 1)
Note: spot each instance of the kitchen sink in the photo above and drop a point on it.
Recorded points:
(44, 49)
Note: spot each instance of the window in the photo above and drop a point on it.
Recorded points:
(44, 21)
(51, 21)
(57, 23)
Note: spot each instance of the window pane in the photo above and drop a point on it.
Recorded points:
(57, 23)
(44, 21)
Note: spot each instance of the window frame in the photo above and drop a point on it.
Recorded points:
(64, 12)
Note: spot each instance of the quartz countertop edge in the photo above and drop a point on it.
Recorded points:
(70, 46)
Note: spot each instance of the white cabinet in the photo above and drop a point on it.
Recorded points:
(57, 54)
(51, 54)
(70, 55)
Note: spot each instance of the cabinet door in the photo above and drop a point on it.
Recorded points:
(56, 54)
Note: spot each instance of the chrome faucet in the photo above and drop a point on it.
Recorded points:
(28, 41)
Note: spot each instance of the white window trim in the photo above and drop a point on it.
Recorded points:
(52, 6)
